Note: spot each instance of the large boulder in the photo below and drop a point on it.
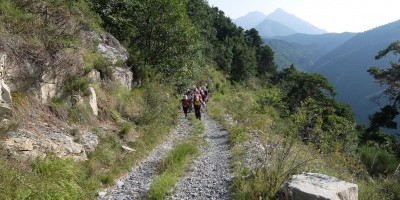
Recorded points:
(316, 186)
(122, 76)
(110, 48)
(26, 145)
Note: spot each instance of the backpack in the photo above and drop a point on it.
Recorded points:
(196, 97)
(185, 102)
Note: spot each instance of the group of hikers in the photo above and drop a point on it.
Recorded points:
(195, 99)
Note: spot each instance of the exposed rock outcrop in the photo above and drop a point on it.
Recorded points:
(26, 144)
(5, 96)
(48, 87)
(318, 187)
(93, 101)
(44, 138)
(89, 141)
(42, 75)
(110, 48)
(122, 76)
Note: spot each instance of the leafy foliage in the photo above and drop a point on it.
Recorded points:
(378, 161)
(391, 79)
(159, 35)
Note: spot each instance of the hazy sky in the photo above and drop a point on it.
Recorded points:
(330, 15)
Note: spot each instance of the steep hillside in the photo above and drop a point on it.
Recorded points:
(303, 50)
(346, 67)
(287, 53)
(270, 28)
(321, 42)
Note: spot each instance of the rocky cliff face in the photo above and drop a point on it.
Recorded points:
(43, 77)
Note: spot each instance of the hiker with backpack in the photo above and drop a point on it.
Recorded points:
(190, 98)
(197, 102)
(185, 105)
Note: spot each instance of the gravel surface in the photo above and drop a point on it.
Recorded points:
(210, 178)
(212, 169)
(136, 184)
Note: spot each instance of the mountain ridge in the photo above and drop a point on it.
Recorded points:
(278, 23)
(346, 67)
(296, 23)
(304, 50)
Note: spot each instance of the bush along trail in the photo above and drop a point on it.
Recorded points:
(210, 171)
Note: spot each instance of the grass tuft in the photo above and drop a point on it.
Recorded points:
(171, 168)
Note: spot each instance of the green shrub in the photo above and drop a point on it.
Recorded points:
(237, 134)
(101, 64)
(57, 101)
(126, 128)
(272, 98)
(87, 68)
(106, 179)
(78, 84)
(80, 113)
(378, 161)
(155, 105)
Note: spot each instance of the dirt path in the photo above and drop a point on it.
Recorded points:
(211, 175)
(212, 169)
(137, 183)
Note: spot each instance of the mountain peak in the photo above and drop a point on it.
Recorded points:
(256, 13)
(280, 10)
(288, 23)
(294, 22)
(250, 20)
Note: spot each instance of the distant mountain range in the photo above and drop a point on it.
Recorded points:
(304, 50)
(343, 58)
(278, 23)
(346, 67)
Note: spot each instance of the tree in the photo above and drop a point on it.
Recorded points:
(301, 86)
(244, 62)
(159, 34)
(264, 54)
(116, 16)
(390, 78)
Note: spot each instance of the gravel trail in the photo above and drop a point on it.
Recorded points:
(136, 184)
(210, 178)
(212, 173)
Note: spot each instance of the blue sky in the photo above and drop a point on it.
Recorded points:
(331, 15)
